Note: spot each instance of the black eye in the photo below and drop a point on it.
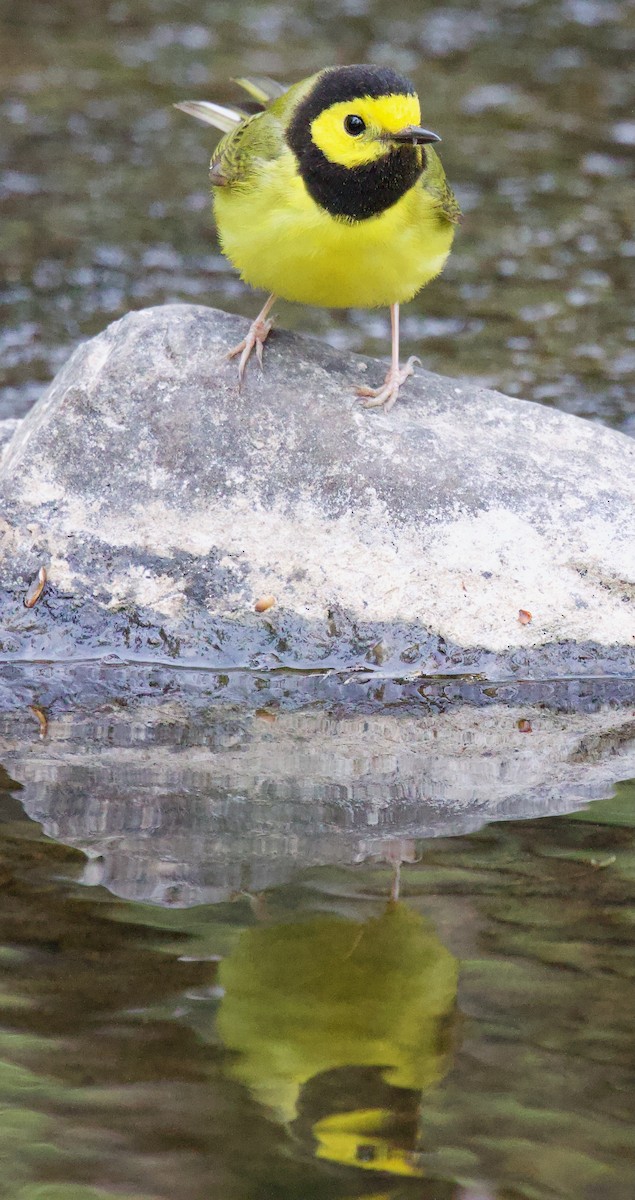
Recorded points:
(354, 125)
(365, 1153)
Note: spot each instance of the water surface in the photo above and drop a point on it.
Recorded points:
(463, 1029)
(243, 956)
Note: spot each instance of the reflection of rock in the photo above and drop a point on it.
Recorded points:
(343, 1024)
(189, 805)
(164, 502)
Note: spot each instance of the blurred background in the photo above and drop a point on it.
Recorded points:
(104, 200)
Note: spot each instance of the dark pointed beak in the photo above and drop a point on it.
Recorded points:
(414, 135)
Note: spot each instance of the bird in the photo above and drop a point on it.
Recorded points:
(330, 194)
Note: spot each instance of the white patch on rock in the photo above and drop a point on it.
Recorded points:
(438, 576)
(158, 592)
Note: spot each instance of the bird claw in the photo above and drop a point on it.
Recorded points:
(255, 339)
(386, 395)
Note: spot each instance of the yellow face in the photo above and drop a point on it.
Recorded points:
(354, 1139)
(353, 132)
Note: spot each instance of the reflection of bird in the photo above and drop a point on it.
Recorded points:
(338, 1027)
(332, 195)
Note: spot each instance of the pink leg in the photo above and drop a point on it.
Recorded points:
(255, 339)
(386, 395)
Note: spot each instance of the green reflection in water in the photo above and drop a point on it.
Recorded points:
(125, 1071)
(325, 997)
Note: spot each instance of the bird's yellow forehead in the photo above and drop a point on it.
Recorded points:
(392, 113)
(381, 114)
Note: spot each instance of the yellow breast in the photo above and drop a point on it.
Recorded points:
(281, 240)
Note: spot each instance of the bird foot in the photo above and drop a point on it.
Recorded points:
(255, 339)
(386, 395)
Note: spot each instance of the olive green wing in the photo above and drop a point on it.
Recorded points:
(238, 156)
(435, 182)
(259, 137)
(250, 138)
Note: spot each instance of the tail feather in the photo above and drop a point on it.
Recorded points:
(262, 89)
(217, 115)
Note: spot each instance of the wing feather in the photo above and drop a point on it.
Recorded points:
(250, 138)
(435, 182)
(261, 88)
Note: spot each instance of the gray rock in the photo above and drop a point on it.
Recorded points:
(188, 800)
(8, 428)
(164, 503)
